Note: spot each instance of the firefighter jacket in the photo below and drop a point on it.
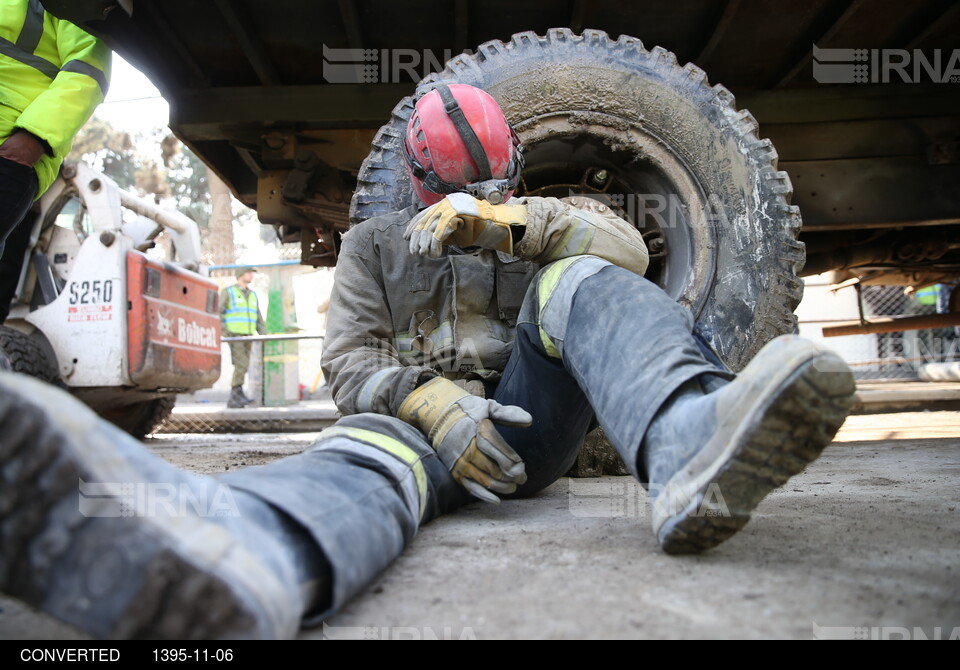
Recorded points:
(52, 77)
(395, 315)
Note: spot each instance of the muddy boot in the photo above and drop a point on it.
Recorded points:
(104, 535)
(718, 447)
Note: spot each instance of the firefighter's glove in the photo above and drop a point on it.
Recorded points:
(464, 221)
(460, 427)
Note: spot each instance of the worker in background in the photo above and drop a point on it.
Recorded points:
(473, 339)
(240, 316)
(53, 75)
(935, 299)
(945, 298)
(929, 297)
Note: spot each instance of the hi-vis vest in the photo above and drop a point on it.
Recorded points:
(240, 316)
(52, 77)
(928, 295)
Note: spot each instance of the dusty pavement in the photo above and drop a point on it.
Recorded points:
(864, 543)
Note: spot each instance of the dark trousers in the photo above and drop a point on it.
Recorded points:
(18, 189)
(240, 357)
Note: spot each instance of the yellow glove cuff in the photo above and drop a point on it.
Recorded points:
(491, 227)
(425, 405)
(505, 215)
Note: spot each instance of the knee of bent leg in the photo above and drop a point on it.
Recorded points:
(549, 301)
(391, 446)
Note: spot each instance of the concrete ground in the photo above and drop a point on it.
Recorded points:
(863, 544)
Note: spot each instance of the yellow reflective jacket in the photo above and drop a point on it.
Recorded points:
(52, 77)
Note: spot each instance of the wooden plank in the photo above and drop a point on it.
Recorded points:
(879, 398)
(852, 8)
(845, 103)
(862, 138)
(328, 105)
(870, 190)
(718, 33)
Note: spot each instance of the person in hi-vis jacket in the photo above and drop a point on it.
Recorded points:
(53, 75)
(240, 315)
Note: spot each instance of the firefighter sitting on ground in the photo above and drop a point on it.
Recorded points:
(472, 342)
(239, 316)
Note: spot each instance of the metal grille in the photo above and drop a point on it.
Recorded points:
(306, 407)
(879, 356)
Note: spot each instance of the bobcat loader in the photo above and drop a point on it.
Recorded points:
(124, 332)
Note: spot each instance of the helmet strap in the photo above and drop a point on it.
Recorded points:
(470, 139)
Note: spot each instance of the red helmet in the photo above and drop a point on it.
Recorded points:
(459, 140)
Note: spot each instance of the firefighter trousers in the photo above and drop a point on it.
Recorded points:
(594, 342)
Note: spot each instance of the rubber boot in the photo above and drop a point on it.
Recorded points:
(718, 447)
(145, 550)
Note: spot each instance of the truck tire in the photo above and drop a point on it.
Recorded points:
(142, 418)
(27, 355)
(654, 140)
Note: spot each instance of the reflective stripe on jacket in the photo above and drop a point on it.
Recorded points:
(52, 77)
(394, 315)
(242, 313)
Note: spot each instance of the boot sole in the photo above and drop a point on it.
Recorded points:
(116, 577)
(788, 431)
